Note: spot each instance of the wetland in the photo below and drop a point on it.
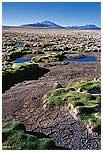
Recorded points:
(51, 85)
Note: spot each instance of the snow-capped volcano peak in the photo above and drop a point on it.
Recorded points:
(47, 23)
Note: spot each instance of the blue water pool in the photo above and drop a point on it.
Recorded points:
(81, 59)
(21, 60)
(19, 45)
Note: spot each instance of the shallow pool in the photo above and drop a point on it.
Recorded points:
(81, 59)
(22, 60)
(19, 45)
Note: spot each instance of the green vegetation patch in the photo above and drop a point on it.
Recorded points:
(15, 137)
(50, 57)
(12, 55)
(10, 128)
(19, 72)
(85, 85)
(93, 119)
(19, 69)
(56, 97)
(76, 97)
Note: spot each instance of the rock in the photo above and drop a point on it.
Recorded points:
(79, 90)
(57, 85)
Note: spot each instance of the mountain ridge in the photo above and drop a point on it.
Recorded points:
(87, 26)
(45, 23)
(49, 24)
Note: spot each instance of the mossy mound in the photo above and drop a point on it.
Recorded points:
(87, 105)
(85, 85)
(12, 55)
(56, 48)
(50, 57)
(15, 137)
(19, 72)
(10, 128)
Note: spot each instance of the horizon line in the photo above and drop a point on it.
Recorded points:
(54, 23)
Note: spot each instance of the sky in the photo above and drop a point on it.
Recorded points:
(62, 13)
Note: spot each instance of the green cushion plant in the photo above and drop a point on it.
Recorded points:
(87, 105)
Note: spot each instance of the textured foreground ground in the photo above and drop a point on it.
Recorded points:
(23, 102)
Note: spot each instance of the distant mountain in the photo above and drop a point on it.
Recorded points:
(44, 24)
(5, 26)
(48, 24)
(84, 27)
